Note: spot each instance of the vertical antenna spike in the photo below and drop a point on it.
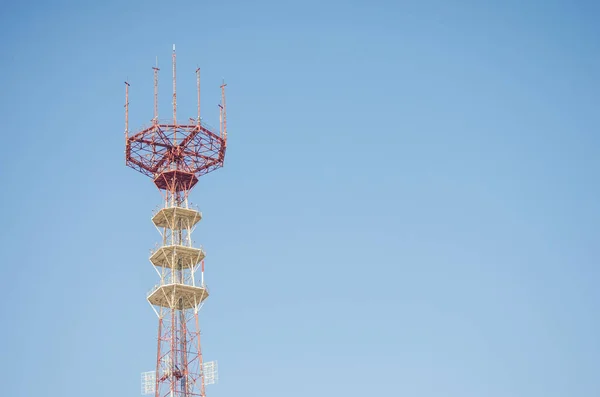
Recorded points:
(223, 113)
(156, 69)
(198, 84)
(126, 120)
(126, 111)
(174, 94)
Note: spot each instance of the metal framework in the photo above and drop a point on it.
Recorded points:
(175, 155)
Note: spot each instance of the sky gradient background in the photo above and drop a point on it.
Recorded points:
(409, 204)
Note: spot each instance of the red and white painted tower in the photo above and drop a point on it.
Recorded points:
(175, 155)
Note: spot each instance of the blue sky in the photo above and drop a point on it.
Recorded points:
(409, 204)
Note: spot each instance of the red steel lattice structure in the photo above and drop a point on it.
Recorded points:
(175, 155)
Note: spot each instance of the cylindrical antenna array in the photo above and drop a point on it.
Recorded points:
(198, 84)
(156, 69)
(223, 113)
(126, 111)
(174, 94)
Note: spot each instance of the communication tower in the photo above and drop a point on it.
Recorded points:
(175, 155)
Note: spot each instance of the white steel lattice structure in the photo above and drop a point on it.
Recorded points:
(176, 301)
(175, 156)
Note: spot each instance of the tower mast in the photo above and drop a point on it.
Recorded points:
(175, 166)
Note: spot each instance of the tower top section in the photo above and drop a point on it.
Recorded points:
(172, 153)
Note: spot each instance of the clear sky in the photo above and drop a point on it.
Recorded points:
(409, 204)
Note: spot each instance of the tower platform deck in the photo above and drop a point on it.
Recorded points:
(177, 296)
(176, 218)
(177, 255)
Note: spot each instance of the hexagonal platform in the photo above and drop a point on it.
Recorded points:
(171, 255)
(178, 296)
(176, 218)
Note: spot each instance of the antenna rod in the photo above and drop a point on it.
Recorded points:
(156, 69)
(126, 111)
(127, 149)
(174, 97)
(223, 113)
(198, 83)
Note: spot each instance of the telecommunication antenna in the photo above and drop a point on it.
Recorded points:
(209, 370)
(175, 154)
(211, 374)
(148, 382)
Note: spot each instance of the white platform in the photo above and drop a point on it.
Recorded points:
(170, 255)
(176, 218)
(170, 294)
